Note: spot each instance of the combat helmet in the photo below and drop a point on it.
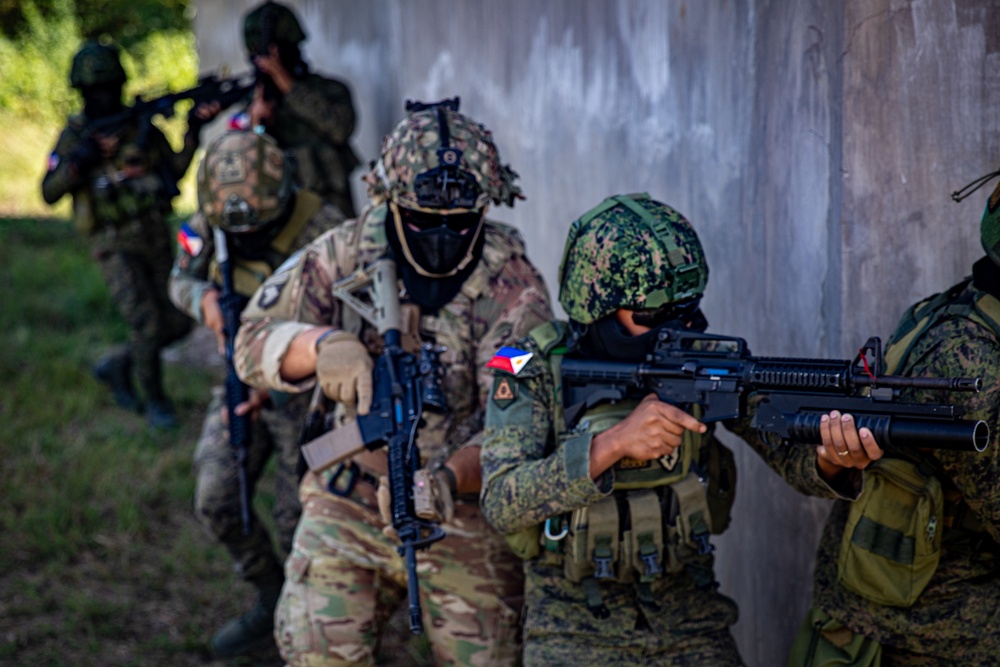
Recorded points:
(989, 227)
(440, 161)
(271, 23)
(96, 64)
(631, 252)
(244, 182)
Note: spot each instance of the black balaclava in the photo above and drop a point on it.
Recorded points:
(986, 276)
(607, 338)
(101, 100)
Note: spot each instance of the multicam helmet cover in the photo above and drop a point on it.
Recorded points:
(631, 252)
(437, 159)
(272, 22)
(244, 182)
(96, 64)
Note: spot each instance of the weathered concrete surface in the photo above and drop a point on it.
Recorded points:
(812, 143)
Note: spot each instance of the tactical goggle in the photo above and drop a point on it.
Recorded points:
(424, 221)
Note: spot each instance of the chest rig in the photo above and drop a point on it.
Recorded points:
(657, 518)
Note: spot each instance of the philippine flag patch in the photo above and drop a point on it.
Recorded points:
(239, 121)
(188, 239)
(510, 359)
(53, 161)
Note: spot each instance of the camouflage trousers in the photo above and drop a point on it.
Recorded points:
(684, 626)
(135, 261)
(217, 491)
(344, 578)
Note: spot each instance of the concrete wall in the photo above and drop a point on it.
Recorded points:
(812, 143)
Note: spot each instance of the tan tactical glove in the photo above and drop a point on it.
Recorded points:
(344, 370)
(432, 495)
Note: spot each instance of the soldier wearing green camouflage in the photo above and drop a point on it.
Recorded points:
(311, 116)
(245, 192)
(613, 513)
(949, 618)
(121, 196)
(466, 286)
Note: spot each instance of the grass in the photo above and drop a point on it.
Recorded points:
(103, 562)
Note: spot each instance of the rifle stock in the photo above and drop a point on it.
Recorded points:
(718, 373)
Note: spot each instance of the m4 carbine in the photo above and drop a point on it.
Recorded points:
(405, 384)
(789, 395)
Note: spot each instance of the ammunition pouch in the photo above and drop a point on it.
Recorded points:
(892, 543)
(825, 642)
(117, 201)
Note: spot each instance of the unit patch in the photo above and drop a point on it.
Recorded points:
(504, 391)
(270, 295)
(669, 462)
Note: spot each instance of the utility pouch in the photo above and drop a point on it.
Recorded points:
(592, 543)
(692, 520)
(646, 535)
(825, 642)
(719, 466)
(525, 543)
(892, 543)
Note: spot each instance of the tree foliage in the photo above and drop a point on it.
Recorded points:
(127, 21)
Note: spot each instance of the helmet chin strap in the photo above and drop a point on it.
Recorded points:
(469, 255)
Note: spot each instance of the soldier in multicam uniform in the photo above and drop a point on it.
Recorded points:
(613, 514)
(311, 116)
(953, 619)
(468, 286)
(121, 197)
(245, 191)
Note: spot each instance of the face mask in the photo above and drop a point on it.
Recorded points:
(101, 101)
(438, 246)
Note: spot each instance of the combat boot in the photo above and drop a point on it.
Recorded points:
(115, 370)
(255, 629)
(160, 415)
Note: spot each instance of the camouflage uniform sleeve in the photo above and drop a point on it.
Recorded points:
(325, 105)
(528, 477)
(60, 178)
(962, 348)
(177, 162)
(796, 464)
(189, 275)
(296, 298)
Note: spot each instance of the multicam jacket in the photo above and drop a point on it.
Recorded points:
(503, 299)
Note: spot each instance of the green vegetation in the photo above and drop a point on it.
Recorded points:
(37, 43)
(103, 561)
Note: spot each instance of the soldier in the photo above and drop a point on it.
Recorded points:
(468, 287)
(245, 190)
(928, 592)
(311, 116)
(122, 182)
(614, 514)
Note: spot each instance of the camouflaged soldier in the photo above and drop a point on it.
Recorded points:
(311, 116)
(467, 286)
(613, 513)
(122, 183)
(937, 600)
(245, 193)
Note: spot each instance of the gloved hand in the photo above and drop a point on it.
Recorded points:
(344, 370)
(432, 495)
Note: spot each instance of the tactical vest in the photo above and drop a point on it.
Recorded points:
(892, 540)
(658, 516)
(249, 274)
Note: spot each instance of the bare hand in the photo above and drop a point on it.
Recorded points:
(206, 111)
(211, 315)
(653, 430)
(108, 145)
(261, 111)
(844, 445)
(257, 399)
(272, 66)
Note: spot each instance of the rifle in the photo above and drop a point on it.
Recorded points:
(718, 373)
(211, 88)
(232, 304)
(404, 385)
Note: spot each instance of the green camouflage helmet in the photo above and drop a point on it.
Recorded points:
(96, 64)
(438, 159)
(632, 252)
(989, 227)
(270, 23)
(244, 182)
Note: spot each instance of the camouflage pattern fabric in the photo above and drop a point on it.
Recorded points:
(629, 252)
(953, 621)
(344, 576)
(412, 148)
(528, 478)
(274, 18)
(128, 234)
(96, 64)
(276, 429)
(313, 123)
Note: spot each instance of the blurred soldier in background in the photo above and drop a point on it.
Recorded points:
(465, 285)
(310, 116)
(246, 201)
(122, 181)
(908, 575)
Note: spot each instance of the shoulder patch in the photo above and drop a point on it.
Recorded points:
(270, 294)
(504, 391)
(510, 359)
(189, 239)
(53, 161)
